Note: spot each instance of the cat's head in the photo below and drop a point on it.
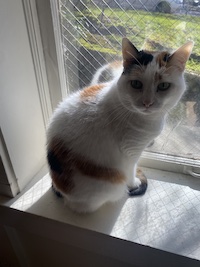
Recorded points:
(152, 81)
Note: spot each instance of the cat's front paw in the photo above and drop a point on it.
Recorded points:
(140, 185)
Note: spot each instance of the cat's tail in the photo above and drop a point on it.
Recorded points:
(141, 189)
(99, 75)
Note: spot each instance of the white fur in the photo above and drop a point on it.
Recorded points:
(115, 72)
(91, 197)
(112, 130)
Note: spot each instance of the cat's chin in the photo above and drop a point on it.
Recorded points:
(148, 111)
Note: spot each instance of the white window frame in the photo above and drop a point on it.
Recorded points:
(13, 179)
(50, 84)
(49, 30)
(148, 159)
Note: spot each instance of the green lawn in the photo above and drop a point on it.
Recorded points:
(143, 29)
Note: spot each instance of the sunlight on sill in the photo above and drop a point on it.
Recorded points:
(33, 195)
(166, 217)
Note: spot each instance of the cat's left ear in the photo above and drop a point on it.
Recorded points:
(129, 52)
(181, 55)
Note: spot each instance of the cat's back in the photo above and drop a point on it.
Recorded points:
(81, 123)
(80, 112)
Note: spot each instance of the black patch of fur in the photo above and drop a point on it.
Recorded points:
(166, 57)
(54, 163)
(144, 58)
(138, 191)
(58, 194)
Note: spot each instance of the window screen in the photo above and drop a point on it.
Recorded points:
(91, 36)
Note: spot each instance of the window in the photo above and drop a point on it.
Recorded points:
(91, 36)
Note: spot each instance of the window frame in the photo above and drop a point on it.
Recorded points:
(13, 179)
(148, 159)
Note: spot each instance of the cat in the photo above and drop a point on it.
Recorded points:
(97, 134)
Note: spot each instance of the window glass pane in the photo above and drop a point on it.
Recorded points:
(92, 32)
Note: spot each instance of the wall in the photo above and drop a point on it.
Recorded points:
(21, 115)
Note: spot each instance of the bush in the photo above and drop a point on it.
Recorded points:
(163, 7)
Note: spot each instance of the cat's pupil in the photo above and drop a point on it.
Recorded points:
(136, 84)
(163, 86)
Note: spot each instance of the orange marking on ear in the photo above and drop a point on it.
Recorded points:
(92, 90)
(161, 59)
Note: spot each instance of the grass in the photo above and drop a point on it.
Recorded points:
(170, 31)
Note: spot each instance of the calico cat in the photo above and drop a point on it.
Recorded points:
(97, 134)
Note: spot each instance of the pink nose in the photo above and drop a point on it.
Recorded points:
(147, 103)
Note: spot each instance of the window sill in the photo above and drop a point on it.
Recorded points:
(166, 217)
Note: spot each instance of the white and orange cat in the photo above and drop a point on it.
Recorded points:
(97, 134)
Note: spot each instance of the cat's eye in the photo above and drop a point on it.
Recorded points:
(136, 84)
(163, 86)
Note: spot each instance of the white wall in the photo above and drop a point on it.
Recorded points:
(21, 117)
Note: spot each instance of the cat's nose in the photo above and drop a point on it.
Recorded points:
(147, 103)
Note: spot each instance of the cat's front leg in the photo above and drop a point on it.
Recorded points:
(137, 184)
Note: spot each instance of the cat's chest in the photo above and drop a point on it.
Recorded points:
(137, 136)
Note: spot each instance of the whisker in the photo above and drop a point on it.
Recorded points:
(140, 65)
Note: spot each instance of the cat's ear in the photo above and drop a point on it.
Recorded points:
(129, 52)
(181, 55)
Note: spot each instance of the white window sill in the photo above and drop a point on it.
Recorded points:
(167, 217)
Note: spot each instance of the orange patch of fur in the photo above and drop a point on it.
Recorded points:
(157, 77)
(70, 162)
(141, 176)
(91, 91)
(160, 59)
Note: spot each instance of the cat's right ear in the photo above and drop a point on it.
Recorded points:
(181, 55)
(129, 52)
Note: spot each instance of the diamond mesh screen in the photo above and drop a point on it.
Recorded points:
(91, 36)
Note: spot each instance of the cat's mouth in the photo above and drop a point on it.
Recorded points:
(148, 110)
(145, 110)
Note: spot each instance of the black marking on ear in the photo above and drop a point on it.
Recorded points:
(144, 58)
(166, 57)
(54, 163)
